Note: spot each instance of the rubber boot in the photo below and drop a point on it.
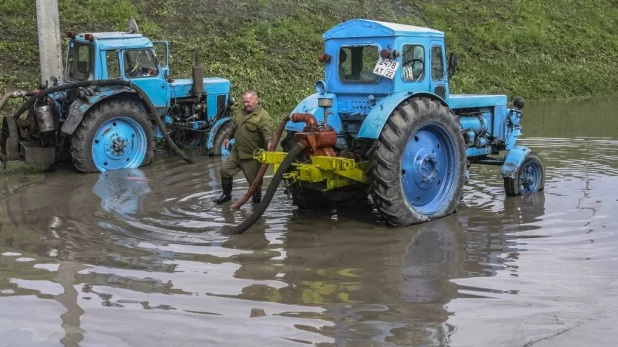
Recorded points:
(226, 185)
(257, 195)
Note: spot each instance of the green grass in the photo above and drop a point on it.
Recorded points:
(533, 48)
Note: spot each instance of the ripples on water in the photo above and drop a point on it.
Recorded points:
(136, 257)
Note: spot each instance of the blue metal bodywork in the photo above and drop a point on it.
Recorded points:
(360, 109)
(513, 161)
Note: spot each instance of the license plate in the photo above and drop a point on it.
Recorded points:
(386, 68)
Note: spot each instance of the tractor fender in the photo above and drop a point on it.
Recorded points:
(513, 161)
(213, 131)
(80, 106)
(376, 118)
(310, 105)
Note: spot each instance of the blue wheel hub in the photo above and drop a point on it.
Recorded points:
(529, 178)
(119, 143)
(427, 168)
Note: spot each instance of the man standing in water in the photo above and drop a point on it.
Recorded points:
(252, 130)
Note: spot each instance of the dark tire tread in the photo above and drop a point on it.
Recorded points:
(385, 160)
(511, 185)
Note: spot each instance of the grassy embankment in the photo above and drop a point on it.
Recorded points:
(533, 48)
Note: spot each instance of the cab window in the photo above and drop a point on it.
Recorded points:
(413, 63)
(140, 63)
(356, 64)
(437, 63)
(80, 66)
(113, 65)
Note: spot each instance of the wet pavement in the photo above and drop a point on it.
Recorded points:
(137, 257)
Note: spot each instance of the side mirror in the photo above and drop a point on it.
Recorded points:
(453, 63)
(230, 101)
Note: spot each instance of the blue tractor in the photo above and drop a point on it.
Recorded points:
(106, 126)
(384, 123)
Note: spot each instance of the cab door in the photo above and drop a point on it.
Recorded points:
(140, 66)
(439, 77)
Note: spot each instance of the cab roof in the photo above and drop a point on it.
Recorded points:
(117, 40)
(372, 28)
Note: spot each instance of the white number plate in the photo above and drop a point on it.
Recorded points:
(386, 68)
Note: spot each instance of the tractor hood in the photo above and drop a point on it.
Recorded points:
(181, 88)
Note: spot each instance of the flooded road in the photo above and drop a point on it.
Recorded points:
(136, 257)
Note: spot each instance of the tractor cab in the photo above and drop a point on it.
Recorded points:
(109, 55)
(366, 61)
(378, 58)
(118, 55)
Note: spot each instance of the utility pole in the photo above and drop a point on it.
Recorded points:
(50, 54)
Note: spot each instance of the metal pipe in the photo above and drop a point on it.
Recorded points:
(308, 118)
(15, 94)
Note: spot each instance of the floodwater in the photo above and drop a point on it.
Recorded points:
(136, 258)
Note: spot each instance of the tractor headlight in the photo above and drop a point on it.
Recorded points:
(519, 102)
(325, 102)
(320, 87)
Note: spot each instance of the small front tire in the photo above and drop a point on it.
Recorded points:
(529, 178)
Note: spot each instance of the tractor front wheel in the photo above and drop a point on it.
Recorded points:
(529, 178)
(224, 132)
(114, 135)
(417, 165)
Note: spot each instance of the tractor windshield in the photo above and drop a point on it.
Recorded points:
(80, 63)
(356, 64)
(140, 63)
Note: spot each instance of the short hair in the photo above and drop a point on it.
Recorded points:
(251, 92)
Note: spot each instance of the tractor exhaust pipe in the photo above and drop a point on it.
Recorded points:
(197, 73)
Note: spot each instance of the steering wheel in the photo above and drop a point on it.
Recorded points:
(413, 61)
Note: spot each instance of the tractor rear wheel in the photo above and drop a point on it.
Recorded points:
(116, 134)
(529, 178)
(417, 165)
(224, 132)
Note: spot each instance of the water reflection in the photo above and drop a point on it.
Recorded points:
(136, 257)
(122, 191)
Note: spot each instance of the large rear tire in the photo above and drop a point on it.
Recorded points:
(116, 134)
(418, 163)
